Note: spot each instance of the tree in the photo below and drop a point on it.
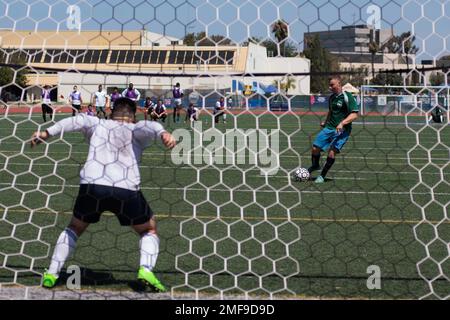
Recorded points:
(373, 49)
(388, 79)
(201, 39)
(322, 61)
(281, 31)
(437, 79)
(403, 43)
(285, 84)
(357, 76)
(290, 50)
(7, 74)
(407, 44)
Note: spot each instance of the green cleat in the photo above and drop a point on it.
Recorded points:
(49, 280)
(319, 179)
(149, 278)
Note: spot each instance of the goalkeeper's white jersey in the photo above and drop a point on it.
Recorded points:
(115, 148)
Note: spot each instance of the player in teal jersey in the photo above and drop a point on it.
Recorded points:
(343, 110)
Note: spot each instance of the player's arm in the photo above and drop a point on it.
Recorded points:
(322, 124)
(151, 130)
(353, 109)
(72, 124)
(39, 137)
(138, 97)
(350, 118)
(168, 140)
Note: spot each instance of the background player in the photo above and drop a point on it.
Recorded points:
(178, 94)
(192, 114)
(46, 103)
(100, 100)
(159, 112)
(148, 107)
(132, 93)
(220, 110)
(114, 96)
(76, 100)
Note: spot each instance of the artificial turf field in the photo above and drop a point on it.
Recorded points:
(228, 230)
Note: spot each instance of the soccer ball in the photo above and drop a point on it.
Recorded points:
(301, 174)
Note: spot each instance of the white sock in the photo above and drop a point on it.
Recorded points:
(224, 117)
(64, 248)
(149, 245)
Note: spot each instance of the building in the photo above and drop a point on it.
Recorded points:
(350, 39)
(350, 46)
(114, 58)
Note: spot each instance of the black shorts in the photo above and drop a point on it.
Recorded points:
(46, 108)
(77, 106)
(129, 206)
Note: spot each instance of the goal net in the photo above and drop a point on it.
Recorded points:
(233, 222)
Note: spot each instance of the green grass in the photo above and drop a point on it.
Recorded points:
(322, 238)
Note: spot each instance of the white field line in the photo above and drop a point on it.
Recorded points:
(163, 154)
(240, 190)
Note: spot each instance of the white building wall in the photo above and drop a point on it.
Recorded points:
(259, 62)
(155, 39)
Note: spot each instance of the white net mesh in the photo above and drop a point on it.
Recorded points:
(232, 221)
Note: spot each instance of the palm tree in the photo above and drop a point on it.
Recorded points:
(373, 49)
(288, 84)
(406, 41)
(281, 32)
(408, 45)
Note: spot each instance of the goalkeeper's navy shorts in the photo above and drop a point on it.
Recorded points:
(129, 206)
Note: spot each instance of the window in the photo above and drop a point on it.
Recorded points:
(114, 56)
(138, 57)
(130, 56)
(180, 57)
(103, 56)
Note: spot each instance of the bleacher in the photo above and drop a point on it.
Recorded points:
(186, 56)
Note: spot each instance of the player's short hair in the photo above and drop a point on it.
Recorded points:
(123, 108)
(115, 88)
(336, 77)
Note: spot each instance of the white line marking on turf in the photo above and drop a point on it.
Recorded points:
(187, 167)
(153, 154)
(244, 190)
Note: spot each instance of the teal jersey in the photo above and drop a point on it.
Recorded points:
(340, 107)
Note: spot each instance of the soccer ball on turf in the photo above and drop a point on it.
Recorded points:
(301, 174)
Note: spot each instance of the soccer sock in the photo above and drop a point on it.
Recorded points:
(64, 248)
(224, 117)
(315, 159)
(328, 165)
(149, 245)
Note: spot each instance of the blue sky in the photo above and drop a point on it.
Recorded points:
(237, 19)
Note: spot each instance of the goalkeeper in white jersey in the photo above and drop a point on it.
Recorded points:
(110, 181)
